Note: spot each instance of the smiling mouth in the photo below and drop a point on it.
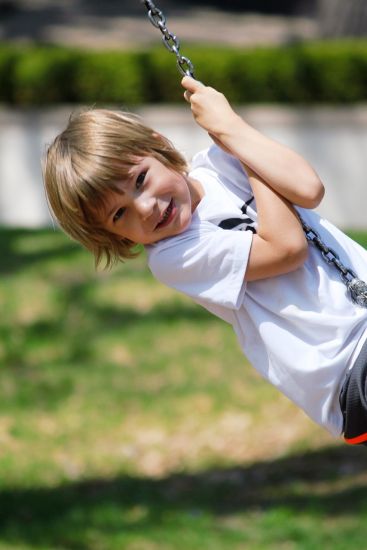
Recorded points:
(167, 215)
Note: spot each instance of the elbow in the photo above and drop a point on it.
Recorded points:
(314, 192)
(296, 254)
(302, 254)
(317, 192)
(269, 259)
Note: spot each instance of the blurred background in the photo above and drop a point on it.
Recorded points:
(62, 52)
(129, 418)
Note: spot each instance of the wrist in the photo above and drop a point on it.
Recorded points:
(233, 132)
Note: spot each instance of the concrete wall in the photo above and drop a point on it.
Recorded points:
(333, 140)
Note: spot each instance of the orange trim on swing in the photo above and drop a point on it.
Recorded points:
(355, 440)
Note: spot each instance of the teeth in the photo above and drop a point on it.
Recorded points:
(167, 213)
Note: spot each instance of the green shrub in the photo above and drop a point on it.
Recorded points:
(311, 73)
(333, 72)
(110, 77)
(8, 61)
(45, 75)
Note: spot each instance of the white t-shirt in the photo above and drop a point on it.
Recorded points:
(299, 330)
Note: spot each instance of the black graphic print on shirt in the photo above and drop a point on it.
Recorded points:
(241, 224)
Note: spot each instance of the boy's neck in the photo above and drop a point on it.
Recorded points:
(196, 191)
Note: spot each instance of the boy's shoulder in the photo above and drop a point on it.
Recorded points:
(216, 163)
(213, 158)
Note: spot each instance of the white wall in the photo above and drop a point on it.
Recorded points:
(333, 140)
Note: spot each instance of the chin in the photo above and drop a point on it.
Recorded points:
(184, 226)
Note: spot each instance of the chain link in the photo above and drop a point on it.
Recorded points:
(157, 18)
(356, 287)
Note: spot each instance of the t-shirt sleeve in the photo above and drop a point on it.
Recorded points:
(228, 167)
(206, 263)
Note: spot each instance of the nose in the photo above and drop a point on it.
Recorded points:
(145, 205)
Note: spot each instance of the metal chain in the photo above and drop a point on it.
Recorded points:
(356, 287)
(171, 41)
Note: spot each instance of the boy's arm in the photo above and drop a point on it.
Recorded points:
(281, 168)
(280, 245)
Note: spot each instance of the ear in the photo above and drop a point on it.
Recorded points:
(158, 136)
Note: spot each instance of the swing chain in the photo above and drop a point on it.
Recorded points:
(356, 287)
(172, 43)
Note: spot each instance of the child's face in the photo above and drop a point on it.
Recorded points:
(156, 202)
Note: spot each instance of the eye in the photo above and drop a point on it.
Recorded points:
(140, 180)
(118, 215)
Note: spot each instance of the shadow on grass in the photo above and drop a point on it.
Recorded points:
(60, 514)
(14, 260)
(91, 320)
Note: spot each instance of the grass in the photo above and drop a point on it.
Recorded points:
(129, 419)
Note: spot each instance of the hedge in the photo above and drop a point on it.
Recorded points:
(332, 72)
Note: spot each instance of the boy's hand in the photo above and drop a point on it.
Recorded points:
(210, 109)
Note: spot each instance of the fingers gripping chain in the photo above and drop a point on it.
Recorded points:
(171, 41)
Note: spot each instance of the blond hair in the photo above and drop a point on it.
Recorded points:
(95, 152)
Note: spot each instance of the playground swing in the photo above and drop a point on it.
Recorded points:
(356, 287)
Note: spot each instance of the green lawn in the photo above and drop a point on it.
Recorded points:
(129, 419)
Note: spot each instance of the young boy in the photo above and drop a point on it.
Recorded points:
(228, 233)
